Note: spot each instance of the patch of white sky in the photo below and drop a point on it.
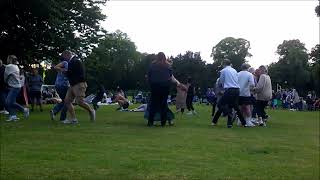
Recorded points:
(175, 27)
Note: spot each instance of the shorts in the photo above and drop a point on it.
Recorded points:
(125, 105)
(245, 100)
(35, 94)
(76, 92)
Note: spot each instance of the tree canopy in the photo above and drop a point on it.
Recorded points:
(235, 49)
(36, 30)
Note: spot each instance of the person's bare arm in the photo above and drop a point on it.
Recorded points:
(60, 67)
(174, 80)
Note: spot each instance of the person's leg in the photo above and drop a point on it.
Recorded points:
(154, 104)
(63, 114)
(234, 103)
(214, 103)
(221, 108)
(3, 97)
(68, 103)
(39, 100)
(188, 102)
(32, 98)
(80, 92)
(163, 105)
(191, 103)
(11, 101)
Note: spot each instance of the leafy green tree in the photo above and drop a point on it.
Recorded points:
(37, 30)
(317, 10)
(234, 49)
(315, 67)
(292, 69)
(112, 62)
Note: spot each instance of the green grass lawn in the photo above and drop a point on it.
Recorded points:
(120, 146)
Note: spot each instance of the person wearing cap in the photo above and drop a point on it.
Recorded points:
(264, 94)
(78, 86)
(13, 80)
(229, 100)
(246, 83)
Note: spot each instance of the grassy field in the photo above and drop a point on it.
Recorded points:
(120, 146)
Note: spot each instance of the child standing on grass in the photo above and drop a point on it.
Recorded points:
(181, 98)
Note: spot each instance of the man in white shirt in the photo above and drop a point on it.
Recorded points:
(246, 83)
(229, 100)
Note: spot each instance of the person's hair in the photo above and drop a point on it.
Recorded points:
(245, 66)
(263, 69)
(251, 69)
(161, 59)
(66, 53)
(12, 59)
(226, 62)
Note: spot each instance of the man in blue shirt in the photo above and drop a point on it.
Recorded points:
(229, 100)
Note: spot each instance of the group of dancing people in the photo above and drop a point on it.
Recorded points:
(242, 93)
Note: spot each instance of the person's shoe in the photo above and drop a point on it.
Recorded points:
(52, 116)
(229, 126)
(163, 123)
(238, 122)
(171, 123)
(75, 121)
(12, 118)
(150, 124)
(26, 113)
(189, 113)
(4, 112)
(93, 116)
(262, 124)
(213, 124)
(66, 121)
(249, 123)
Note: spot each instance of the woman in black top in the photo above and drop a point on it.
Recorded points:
(190, 95)
(159, 78)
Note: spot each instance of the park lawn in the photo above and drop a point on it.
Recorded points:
(120, 146)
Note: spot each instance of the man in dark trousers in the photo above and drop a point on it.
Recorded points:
(3, 90)
(229, 100)
(77, 89)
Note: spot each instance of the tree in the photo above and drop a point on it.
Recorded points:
(112, 62)
(317, 10)
(315, 67)
(234, 49)
(37, 30)
(292, 68)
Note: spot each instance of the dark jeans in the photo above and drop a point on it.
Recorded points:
(159, 96)
(189, 102)
(228, 102)
(214, 104)
(3, 97)
(11, 103)
(62, 91)
(261, 105)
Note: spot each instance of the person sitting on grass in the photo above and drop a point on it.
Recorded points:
(122, 101)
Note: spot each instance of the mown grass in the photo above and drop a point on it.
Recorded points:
(120, 146)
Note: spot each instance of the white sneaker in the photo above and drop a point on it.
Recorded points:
(249, 123)
(93, 115)
(12, 118)
(26, 113)
(254, 120)
(189, 113)
(238, 122)
(4, 112)
(66, 121)
(213, 124)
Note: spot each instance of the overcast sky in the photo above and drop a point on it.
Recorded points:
(178, 26)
